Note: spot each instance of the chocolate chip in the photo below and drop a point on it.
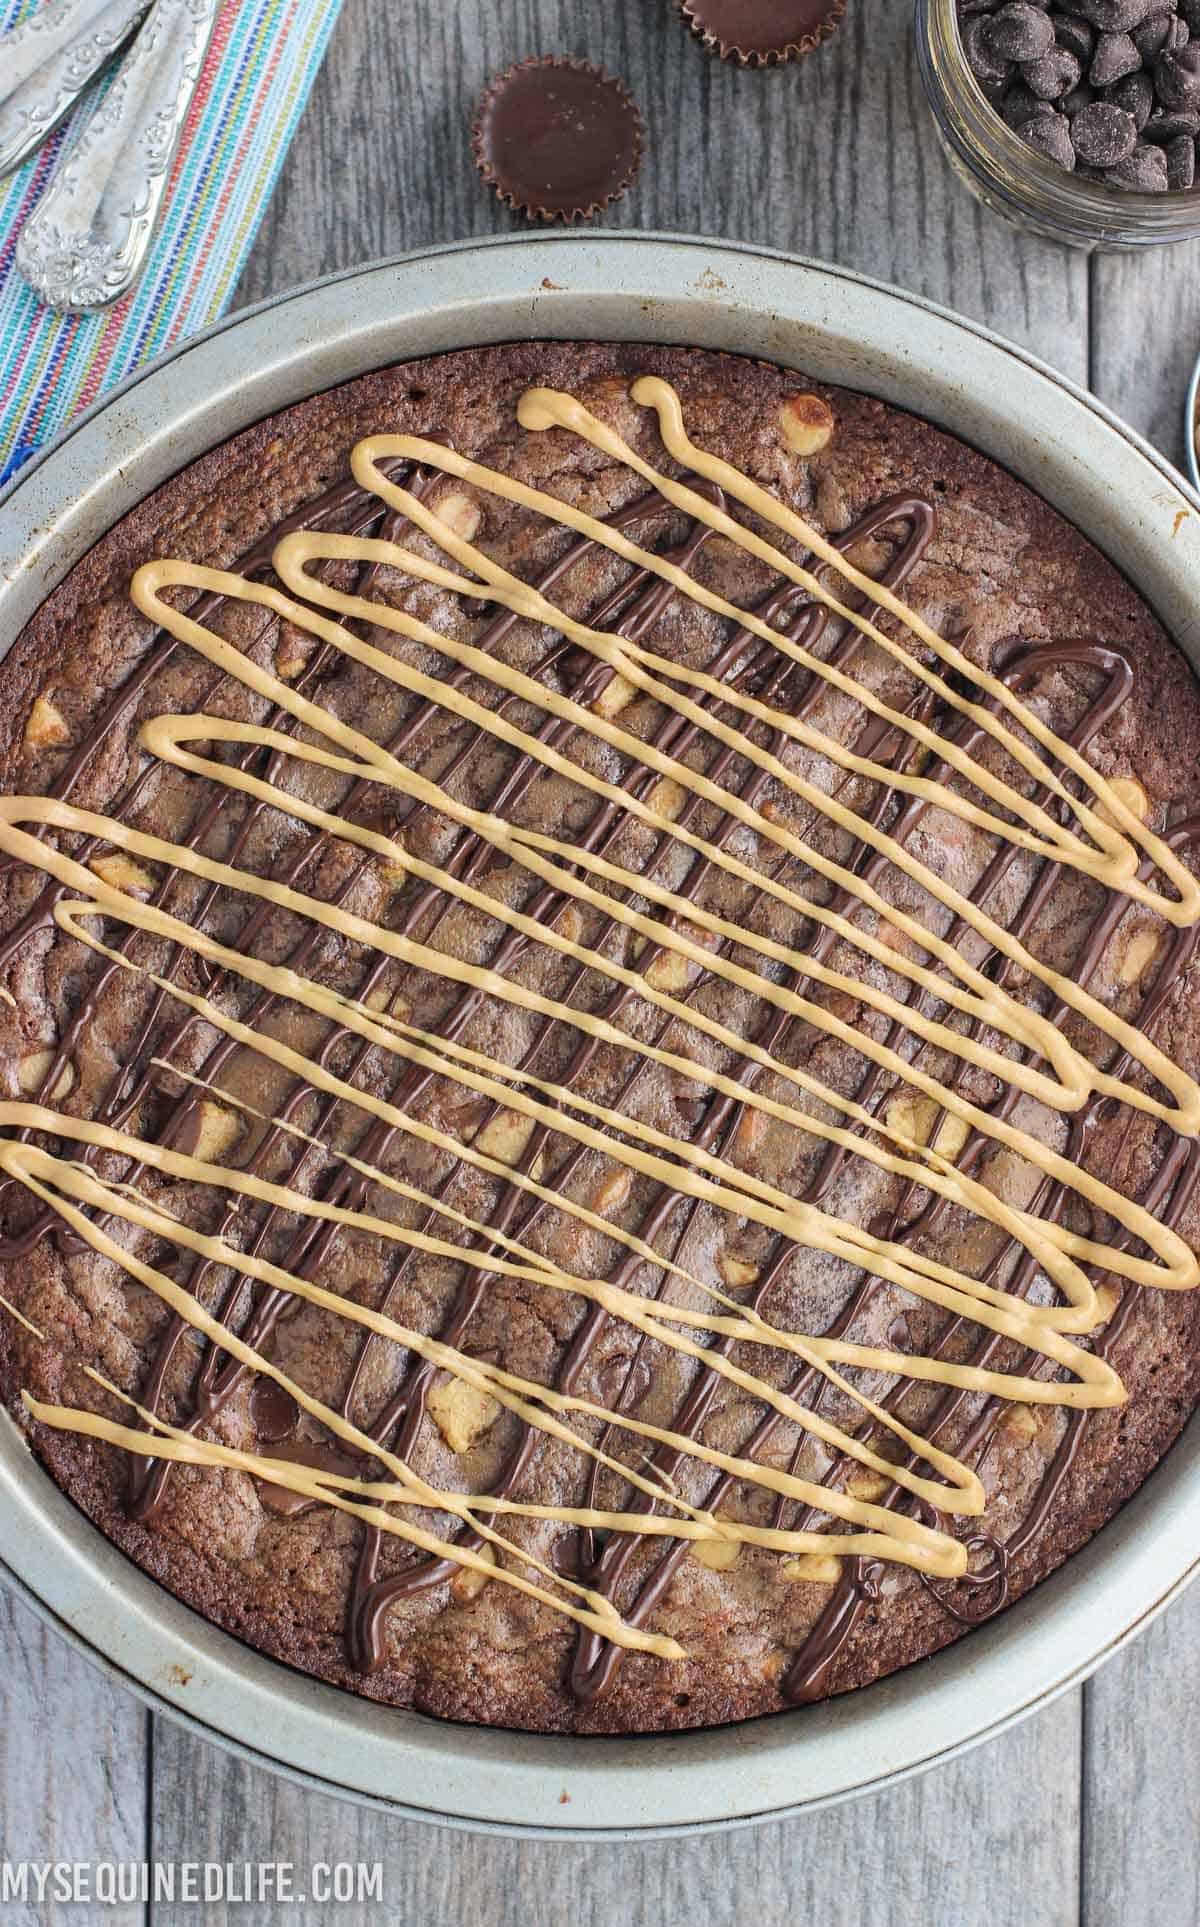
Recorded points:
(564, 1554)
(1049, 134)
(1151, 37)
(1074, 33)
(274, 1413)
(1054, 74)
(1177, 78)
(1019, 105)
(1115, 16)
(1135, 93)
(984, 64)
(1163, 128)
(1161, 33)
(1115, 56)
(1078, 98)
(1102, 135)
(1181, 162)
(1145, 170)
(1018, 32)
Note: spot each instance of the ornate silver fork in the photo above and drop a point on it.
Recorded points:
(49, 60)
(86, 241)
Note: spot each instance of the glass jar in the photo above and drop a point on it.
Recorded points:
(1022, 185)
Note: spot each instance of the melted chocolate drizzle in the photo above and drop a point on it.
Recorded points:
(603, 1561)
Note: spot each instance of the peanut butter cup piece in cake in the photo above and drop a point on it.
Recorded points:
(557, 139)
(762, 33)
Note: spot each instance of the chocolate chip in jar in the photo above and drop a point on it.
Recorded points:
(1116, 16)
(1164, 128)
(989, 68)
(1107, 89)
(1177, 78)
(1103, 134)
(1115, 58)
(1018, 31)
(1076, 34)
(1144, 170)
(1050, 134)
(1134, 93)
(1074, 102)
(1053, 74)
(1152, 36)
(1021, 104)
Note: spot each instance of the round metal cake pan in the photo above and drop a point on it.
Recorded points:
(839, 327)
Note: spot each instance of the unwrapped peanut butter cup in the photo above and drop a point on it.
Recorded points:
(557, 138)
(762, 33)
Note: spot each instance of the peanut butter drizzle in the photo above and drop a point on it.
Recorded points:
(1110, 856)
(1114, 862)
(900, 1538)
(737, 1190)
(1014, 1019)
(543, 408)
(26, 1162)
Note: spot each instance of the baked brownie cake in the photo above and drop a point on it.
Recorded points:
(599, 1119)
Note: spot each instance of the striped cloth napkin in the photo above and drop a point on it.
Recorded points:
(261, 63)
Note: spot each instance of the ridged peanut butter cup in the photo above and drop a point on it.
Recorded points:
(762, 33)
(558, 139)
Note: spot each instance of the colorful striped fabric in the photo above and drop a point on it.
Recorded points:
(260, 65)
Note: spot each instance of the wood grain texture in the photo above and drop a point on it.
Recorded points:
(1140, 1856)
(896, 1857)
(834, 157)
(1087, 1813)
(1146, 337)
(1140, 1846)
(73, 1763)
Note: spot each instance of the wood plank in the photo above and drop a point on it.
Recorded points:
(208, 1805)
(73, 1756)
(944, 1848)
(1146, 315)
(836, 156)
(1141, 1815)
(1141, 1798)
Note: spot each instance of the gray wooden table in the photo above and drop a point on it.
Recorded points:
(1090, 1811)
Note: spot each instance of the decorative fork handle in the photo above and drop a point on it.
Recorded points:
(47, 62)
(86, 240)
